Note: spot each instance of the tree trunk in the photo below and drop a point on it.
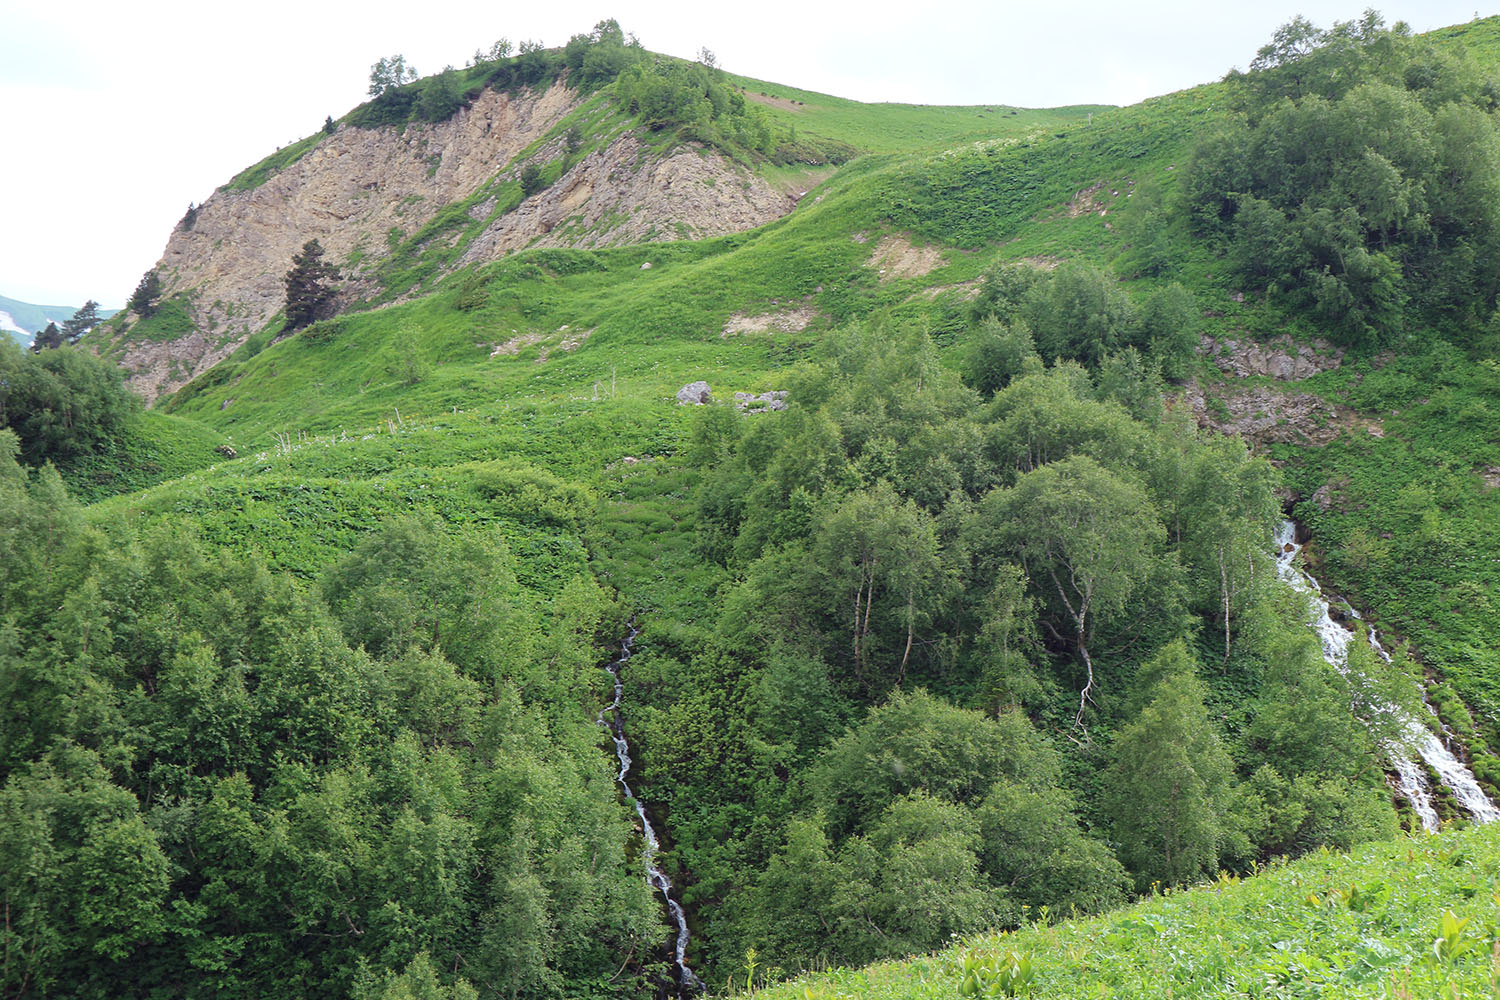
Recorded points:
(1088, 687)
(911, 625)
(1224, 590)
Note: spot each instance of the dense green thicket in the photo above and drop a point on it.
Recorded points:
(216, 781)
(1359, 181)
(438, 97)
(1080, 313)
(668, 93)
(977, 659)
(61, 403)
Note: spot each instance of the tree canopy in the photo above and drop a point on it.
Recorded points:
(1357, 180)
(61, 402)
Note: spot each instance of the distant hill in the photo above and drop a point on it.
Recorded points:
(22, 319)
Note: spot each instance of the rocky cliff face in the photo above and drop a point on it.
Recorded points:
(612, 198)
(357, 186)
(1265, 414)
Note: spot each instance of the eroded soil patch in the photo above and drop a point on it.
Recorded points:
(896, 256)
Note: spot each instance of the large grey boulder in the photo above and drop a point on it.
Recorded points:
(694, 394)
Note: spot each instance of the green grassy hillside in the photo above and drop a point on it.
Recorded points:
(377, 624)
(153, 447)
(953, 215)
(902, 128)
(1410, 918)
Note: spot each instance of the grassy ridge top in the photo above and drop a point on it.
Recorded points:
(1367, 924)
(894, 128)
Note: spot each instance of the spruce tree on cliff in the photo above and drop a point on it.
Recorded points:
(147, 291)
(82, 321)
(309, 292)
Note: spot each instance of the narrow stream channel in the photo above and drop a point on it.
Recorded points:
(611, 718)
(1410, 776)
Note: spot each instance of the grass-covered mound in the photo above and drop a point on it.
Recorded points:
(1417, 917)
(149, 448)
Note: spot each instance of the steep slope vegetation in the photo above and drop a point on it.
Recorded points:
(867, 710)
(362, 191)
(1409, 918)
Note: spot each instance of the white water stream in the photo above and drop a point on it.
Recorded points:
(610, 719)
(1336, 638)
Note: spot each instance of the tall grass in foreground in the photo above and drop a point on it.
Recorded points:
(1419, 917)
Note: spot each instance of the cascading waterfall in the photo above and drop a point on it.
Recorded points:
(1336, 638)
(610, 718)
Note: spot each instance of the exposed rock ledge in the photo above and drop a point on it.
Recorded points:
(1279, 358)
(1263, 415)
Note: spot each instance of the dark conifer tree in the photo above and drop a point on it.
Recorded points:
(81, 322)
(309, 288)
(46, 340)
(143, 299)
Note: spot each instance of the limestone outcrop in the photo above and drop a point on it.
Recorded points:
(359, 191)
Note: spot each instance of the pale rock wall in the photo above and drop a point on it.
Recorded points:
(356, 185)
(614, 197)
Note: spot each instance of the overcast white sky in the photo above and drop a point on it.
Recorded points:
(115, 115)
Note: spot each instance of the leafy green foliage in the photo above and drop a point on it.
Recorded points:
(1346, 925)
(61, 403)
(600, 56)
(1076, 312)
(408, 587)
(689, 97)
(1007, 554)
(209, 788)
(1358, 182)
(390, 73)
(998, 353)
(1005, 975)
(441, 97)
(1168, 790)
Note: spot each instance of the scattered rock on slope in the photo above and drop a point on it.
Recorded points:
(749, 402)
(1279, 358)
(1263, 415)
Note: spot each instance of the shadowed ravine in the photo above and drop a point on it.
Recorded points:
(610, 717)
(1412, 781)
